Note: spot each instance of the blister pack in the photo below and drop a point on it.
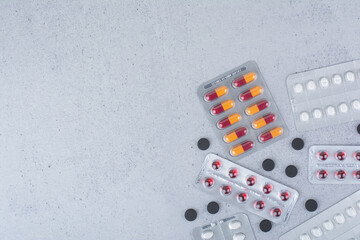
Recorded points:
(248, 190)
(236, 227)
(330, 164)
(241, 109)
(325, 96)
(341, 222)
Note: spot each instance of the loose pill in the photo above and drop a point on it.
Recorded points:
(228, 121)
(304, 117)
(236, 134)
(337, 79)
(350, 76)
(324, 82)
(298, 88)
(273, 133)
(263, 121)
(222, 107)
(243, 147)
(251, 93)
(245, 79)
(218, 92)
(259, 106)
(235, 224)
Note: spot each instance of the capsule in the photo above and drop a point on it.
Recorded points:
(228, 121)
(245, 79)
(273, 133)
(243, 147)
(216, 93)
(263, 121)
(222, 107)
(251, 93)
(238, 133)
(257, 107)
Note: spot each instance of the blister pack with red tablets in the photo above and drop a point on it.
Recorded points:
(330, 164)
(236, 227)
(339, 222)
(241, 109)
(246, 189)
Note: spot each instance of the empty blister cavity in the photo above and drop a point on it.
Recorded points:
(248, 190)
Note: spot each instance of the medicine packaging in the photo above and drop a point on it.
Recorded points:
(242, 111)
(246, 189)
(325, 96)
(236, 227)
(331, 164)
(339, 222)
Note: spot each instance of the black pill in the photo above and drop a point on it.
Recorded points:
(265, 225)
(213, 207)
(203, 144)
(311, 205)
(268, 165)
(358, 128)
(190, 214)
(291, 171)
(297, 143)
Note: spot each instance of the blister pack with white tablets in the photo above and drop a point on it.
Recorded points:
(330, 164)
(246, 189)
(325, 96)
(242, 111)
(339, 222)
(236, 227)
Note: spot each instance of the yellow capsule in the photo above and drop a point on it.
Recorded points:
(234, 118)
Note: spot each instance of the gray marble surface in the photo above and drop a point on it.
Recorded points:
(99, 116)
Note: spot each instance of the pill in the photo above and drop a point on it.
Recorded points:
(298, 88)
(251, 93)
(208, 182)
(341, 174)
(357, 175)
(245, 79)
(242, 197)
(267, 188)
(216, 165)
(351, 212)
(243, 147)
(276, 212)
(311, 85)
(343, 107)
(323, 155)
(305, 236)
(330, 111)
(322, 174)
(350, 76)
(340, 155)
(317, 113)
(316, 231)
(239, 236)
(218, 92)
(207, 234)
(250, 181)
(337, 79)
(236, 134)
(259, 205)
(285, 196)
(263, 121)
(259, 106)
(339, 218)
(357, 156)
(222, 107)
(228, 121)
(356, 105)
(234, 224)
(324, 82)
(233, 173)
(328, 225)
(226, 190)
(304, 117)
(273, 133)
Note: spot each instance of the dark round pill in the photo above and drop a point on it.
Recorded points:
(190, 214)
(213, 207)
(268, 165)
(291, 171)
(297, 143)
(203, 144)
(265, 225)
(358, 128)
(311, 205)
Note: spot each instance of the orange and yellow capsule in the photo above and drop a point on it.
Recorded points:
(216, 93)
(243, 147)
(228, 121)
(245, 79)
(257, 107)
(222, 107)
(236, 134)
(273, 133)
(251, 93)
(263, 121)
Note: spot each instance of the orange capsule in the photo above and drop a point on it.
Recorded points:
(257, 107)
(216, 93)
(263, 121)
(251, 93)
(238, 133)
(245, 79)
(273, 133)
(228, 121)
(243, 147)
(222, 107)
